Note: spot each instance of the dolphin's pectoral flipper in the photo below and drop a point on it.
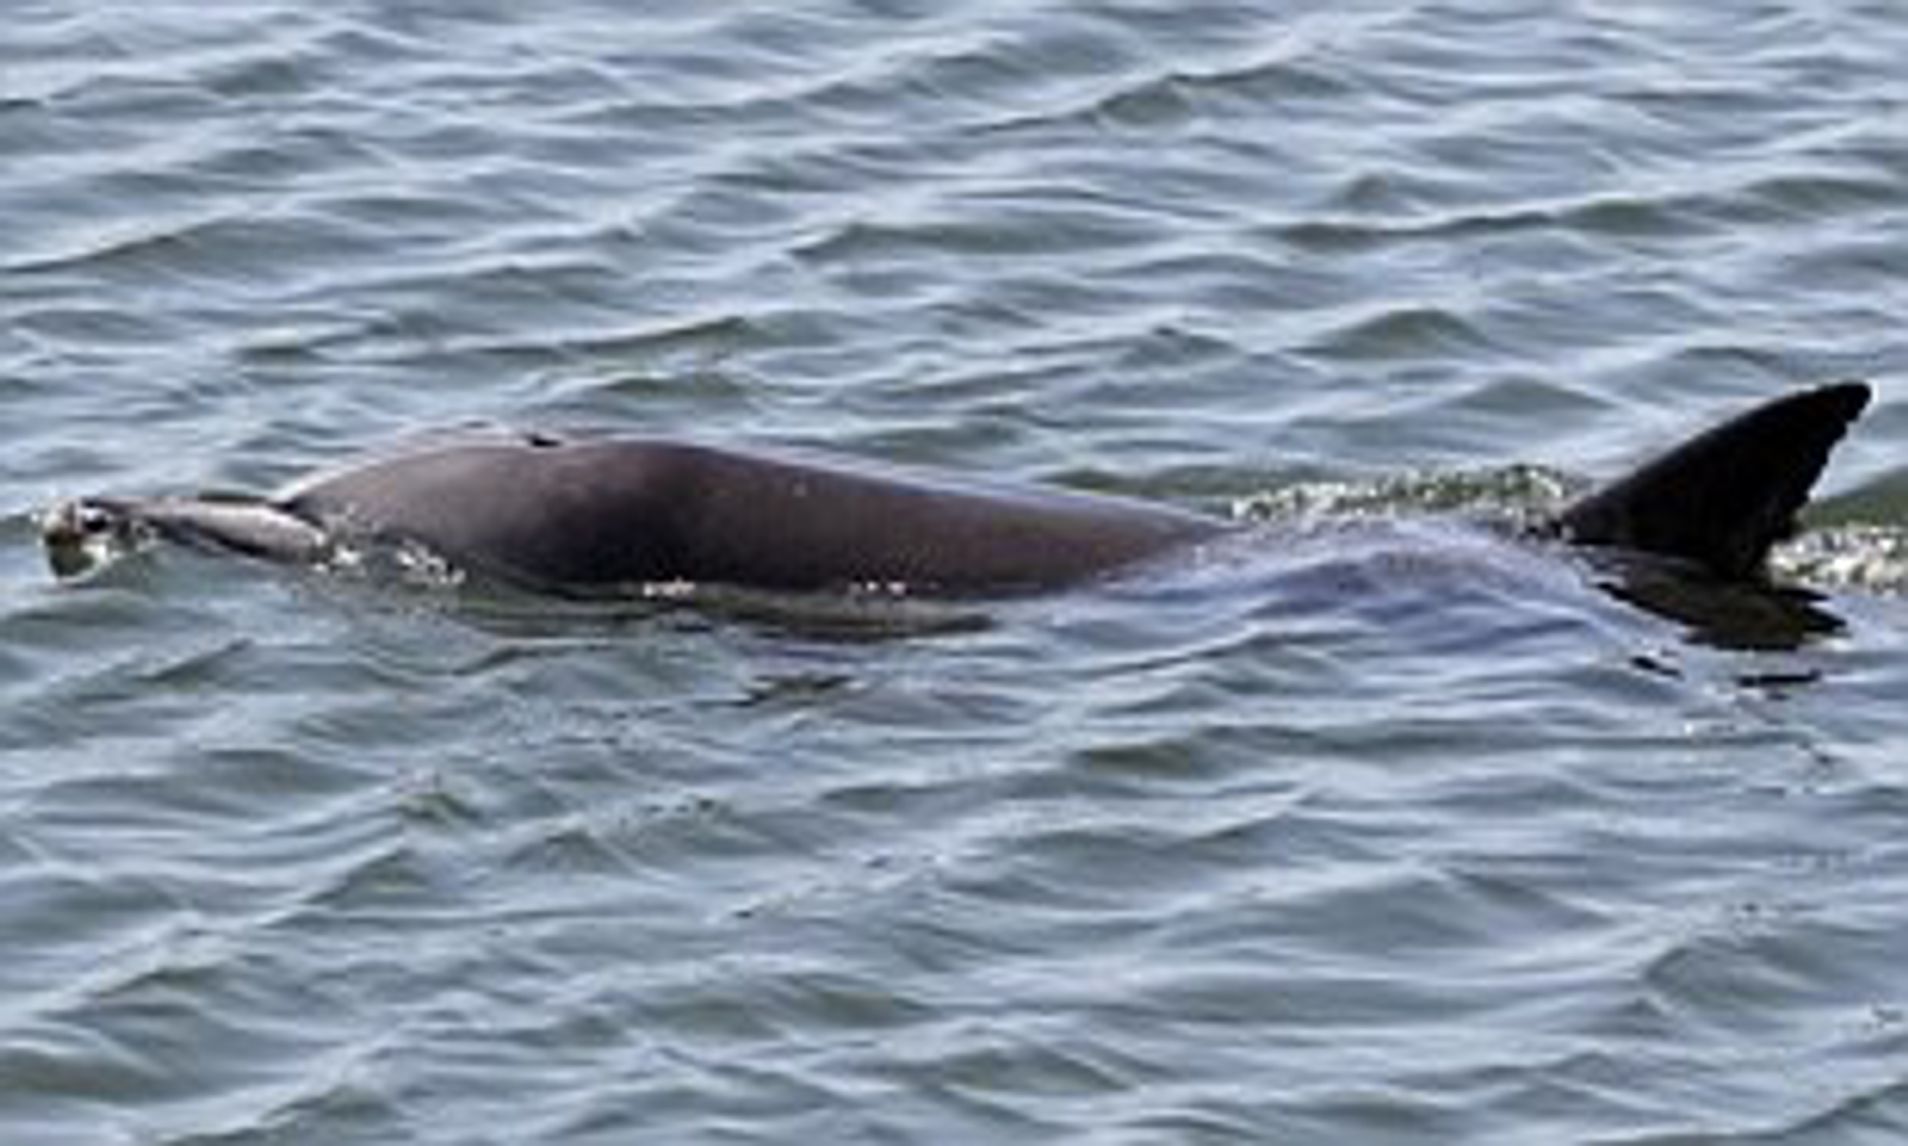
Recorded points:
(82, 535)
(1724, 497)
(255, 528)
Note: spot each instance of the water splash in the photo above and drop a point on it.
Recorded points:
(387, 561)
(1520, 492)
(1864, 557)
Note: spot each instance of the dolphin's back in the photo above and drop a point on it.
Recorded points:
(619, 511)
(514, 508)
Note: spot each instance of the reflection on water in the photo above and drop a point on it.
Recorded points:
(1741, 616)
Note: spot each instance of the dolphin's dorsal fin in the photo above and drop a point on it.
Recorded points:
(1723, 497)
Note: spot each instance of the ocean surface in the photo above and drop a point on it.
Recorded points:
(1382, 828)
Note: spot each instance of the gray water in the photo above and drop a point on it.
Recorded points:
(1379, 830)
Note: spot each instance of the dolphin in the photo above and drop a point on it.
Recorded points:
(600, 515)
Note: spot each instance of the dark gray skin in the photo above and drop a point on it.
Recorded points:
(594, 516)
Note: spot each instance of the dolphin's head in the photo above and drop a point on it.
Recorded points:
(84, 534)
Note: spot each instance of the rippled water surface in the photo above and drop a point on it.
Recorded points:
(1379, 829)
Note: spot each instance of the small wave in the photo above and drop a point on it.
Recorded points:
(1613, 216)
(147, 238)
(1009, 232)
(1404, 332)
(1165, 99)
(1812, 196)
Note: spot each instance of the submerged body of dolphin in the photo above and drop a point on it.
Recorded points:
(593, 515)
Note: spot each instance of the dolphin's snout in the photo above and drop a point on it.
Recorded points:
(80, 535)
